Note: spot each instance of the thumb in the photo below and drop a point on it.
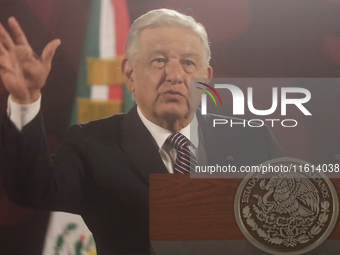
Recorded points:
(49, 51)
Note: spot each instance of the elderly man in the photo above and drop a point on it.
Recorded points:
(102, 169)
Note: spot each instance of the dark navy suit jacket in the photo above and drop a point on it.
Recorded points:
(102, 169)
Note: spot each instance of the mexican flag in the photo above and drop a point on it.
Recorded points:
(100, 90)
(100, 93)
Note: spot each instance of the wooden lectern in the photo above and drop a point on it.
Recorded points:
(196, 216)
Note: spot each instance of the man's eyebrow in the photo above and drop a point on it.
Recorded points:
(188, 54)
(191, 54)
(158, 52)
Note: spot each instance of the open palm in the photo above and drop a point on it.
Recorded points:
(21, 70)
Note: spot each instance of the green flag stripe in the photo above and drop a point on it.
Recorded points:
(91, 49)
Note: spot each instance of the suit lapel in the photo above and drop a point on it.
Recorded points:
(141, 147)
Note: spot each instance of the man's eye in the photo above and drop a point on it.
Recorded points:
(189, 63)
(189, 66)
(158, 62)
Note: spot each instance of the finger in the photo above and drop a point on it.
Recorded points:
(3, 51)
(18, 35)
(49, 51)
(5, 38)
(3, 63)
(4, 58)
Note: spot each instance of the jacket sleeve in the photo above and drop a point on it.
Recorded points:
(32, 177)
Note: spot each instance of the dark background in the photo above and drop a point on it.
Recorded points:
(249, 38)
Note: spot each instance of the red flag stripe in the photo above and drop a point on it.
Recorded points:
(122, 25)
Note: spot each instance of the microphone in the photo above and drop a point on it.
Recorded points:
(229, 160)
(336, 158)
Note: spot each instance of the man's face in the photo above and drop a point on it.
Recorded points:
(160, 76)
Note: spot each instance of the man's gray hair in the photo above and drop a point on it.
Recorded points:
(165, 18)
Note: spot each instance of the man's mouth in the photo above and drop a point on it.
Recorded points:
(173, 93)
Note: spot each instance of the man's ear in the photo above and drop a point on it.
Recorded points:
(127, 71)
(208, 74)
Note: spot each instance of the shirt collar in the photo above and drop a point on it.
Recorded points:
(161, 134)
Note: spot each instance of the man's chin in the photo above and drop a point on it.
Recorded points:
(174, 111)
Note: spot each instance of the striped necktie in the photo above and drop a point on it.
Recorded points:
(184, 155)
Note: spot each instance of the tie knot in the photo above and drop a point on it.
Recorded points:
(177, 140)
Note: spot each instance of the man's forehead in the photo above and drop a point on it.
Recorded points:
(169, 33)
(161, 40)
(191, 54)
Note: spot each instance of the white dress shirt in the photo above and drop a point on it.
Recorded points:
(22, 114)
(167, 152)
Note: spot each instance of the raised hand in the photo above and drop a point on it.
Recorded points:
(21, 70)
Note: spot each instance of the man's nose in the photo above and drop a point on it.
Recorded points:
(174, 72)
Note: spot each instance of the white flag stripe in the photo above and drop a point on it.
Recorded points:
(100, 92)
(107, 44)
(107, 39)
